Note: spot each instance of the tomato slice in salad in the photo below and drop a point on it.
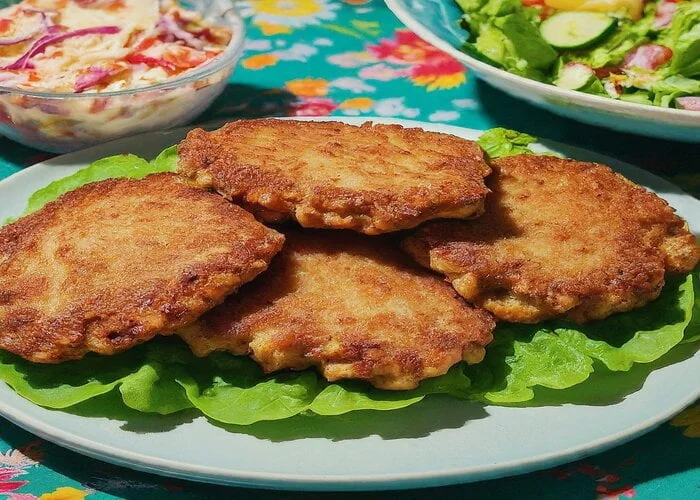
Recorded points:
(5, 25)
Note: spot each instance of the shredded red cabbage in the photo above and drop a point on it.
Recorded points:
(171, 27)
(43, 26)
(54, 35)
(94, 75)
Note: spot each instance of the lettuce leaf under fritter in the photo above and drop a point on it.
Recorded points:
(164, 377)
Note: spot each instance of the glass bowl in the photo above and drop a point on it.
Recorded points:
(59, 123)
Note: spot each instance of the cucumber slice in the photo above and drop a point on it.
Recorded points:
(576, 30)
(574, 76)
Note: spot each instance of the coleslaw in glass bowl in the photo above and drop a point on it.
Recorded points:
(74, 73)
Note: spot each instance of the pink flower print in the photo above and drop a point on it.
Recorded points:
(314, 106)
(7, 473)
(439, 73)
(427, 66)
(405, 48)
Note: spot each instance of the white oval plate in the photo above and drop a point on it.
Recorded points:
(440, 441)
(435, 21)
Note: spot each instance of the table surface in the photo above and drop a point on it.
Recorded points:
(353, 58)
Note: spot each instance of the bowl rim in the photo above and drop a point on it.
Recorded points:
(396, 6)
(220, 62)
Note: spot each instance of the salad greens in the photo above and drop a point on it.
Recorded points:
(499, 142)
(164, 377)
(652, 60)
(684, 37)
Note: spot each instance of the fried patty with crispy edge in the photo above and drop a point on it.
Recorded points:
(353, 306)
(559, 238)
(111, 264)
(372, 179)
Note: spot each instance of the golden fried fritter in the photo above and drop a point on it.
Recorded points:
(111, 264)
(372, 179)
(350, 305)
(559, 238)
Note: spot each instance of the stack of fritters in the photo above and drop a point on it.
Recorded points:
(114, 263)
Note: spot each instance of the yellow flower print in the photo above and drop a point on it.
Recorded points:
(295, 8)
(65, 493)
(438, 82)
(690, 419)
(269, 29)
(260, 61)
(360, 103)
(291, 13)
(308, 87)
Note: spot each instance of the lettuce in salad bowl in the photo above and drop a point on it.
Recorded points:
(623, 64)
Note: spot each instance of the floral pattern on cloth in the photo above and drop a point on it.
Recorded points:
(353, 58)
(15, 463)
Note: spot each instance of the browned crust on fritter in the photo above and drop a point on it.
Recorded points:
(352, 306)
(113, 263)
(372, 179)
(559, 238)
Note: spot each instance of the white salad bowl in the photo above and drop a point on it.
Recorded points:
(436, 22)
(67, 122)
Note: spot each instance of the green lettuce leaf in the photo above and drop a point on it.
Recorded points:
(684, 39)
(527, 41)
(667, 90)
(692, 332)
(505, 34)
(166, 161)
(164, 377)
(558, 355)
(499, 142)
(126, 165)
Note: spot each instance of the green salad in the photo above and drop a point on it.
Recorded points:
(524, 365)
(647, 53)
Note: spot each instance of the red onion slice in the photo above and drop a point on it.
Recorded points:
(44, 23)
(93, 76)
(51, 38)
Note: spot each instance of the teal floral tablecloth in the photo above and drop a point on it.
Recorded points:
(353, 58)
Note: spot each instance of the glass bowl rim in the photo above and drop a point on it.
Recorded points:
(229, 55)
